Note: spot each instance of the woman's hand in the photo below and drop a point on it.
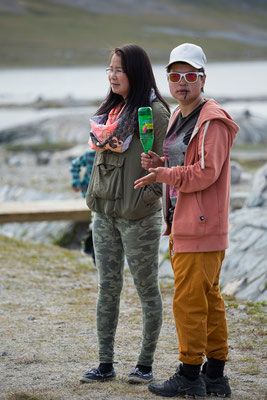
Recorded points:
(146, 180)
(151, 160)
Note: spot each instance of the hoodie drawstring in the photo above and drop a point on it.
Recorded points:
(202, 145)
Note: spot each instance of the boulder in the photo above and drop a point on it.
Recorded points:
(253, 128)
(258, 194)
(244, 271)
(65, 128)
(236, 172)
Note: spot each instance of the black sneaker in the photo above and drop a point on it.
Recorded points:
(95, 375)
(217, 386)
(137, 376)
(178, 385)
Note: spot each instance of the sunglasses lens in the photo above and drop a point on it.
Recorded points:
(174, 77)
(191, 77)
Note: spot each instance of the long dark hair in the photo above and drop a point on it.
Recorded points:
(137, 66)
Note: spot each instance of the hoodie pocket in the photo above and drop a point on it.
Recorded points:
(201, 217)
(189, 218)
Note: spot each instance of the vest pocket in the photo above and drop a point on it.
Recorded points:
(150, 196)
(108, 177)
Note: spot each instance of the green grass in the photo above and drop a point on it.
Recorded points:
(39, 147)
(50, 34)
(50, 258)
(250, 165)
(251, 370)
(25, 396)
(251, 146)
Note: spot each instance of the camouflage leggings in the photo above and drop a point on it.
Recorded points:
(139, 241)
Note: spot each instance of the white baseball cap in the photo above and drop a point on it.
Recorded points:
(190, 54)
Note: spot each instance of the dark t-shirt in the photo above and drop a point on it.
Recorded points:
(175, 145)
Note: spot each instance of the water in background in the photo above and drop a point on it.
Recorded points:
(233, 80)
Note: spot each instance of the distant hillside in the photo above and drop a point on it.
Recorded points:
(82, 32)
(140, 6)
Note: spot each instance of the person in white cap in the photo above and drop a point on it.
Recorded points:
(196, 172)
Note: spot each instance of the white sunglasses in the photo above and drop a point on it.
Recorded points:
(189, 77)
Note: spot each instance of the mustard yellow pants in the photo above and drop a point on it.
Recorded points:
(198, 306)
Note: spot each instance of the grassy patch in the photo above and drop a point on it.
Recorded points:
(51, 259)
(39, 147)
(250, 165)
(250, 146)
(245, 345)
(257, 311)
(252, 369)
(228, 297)
(26, 396)
(248, 359)
(232, 304)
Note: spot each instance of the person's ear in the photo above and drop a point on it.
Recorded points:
(203, 80)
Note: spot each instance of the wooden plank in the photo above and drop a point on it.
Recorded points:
(44, 210)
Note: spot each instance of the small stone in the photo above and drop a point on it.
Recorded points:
(31, 318)
(43, 158)
(14, 161)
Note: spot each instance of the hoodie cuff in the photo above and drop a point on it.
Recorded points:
(165, 175)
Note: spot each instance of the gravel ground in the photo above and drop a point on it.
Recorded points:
(48, 333)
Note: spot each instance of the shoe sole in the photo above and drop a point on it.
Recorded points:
(223, 396)
(87, 380)
(136, 379)
(176, 394)
(186, 396)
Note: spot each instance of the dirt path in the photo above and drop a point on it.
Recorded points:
(48, 335)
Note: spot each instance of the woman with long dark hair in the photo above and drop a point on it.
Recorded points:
(126, 222)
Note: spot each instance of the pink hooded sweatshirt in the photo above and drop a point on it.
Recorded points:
(200, 220)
